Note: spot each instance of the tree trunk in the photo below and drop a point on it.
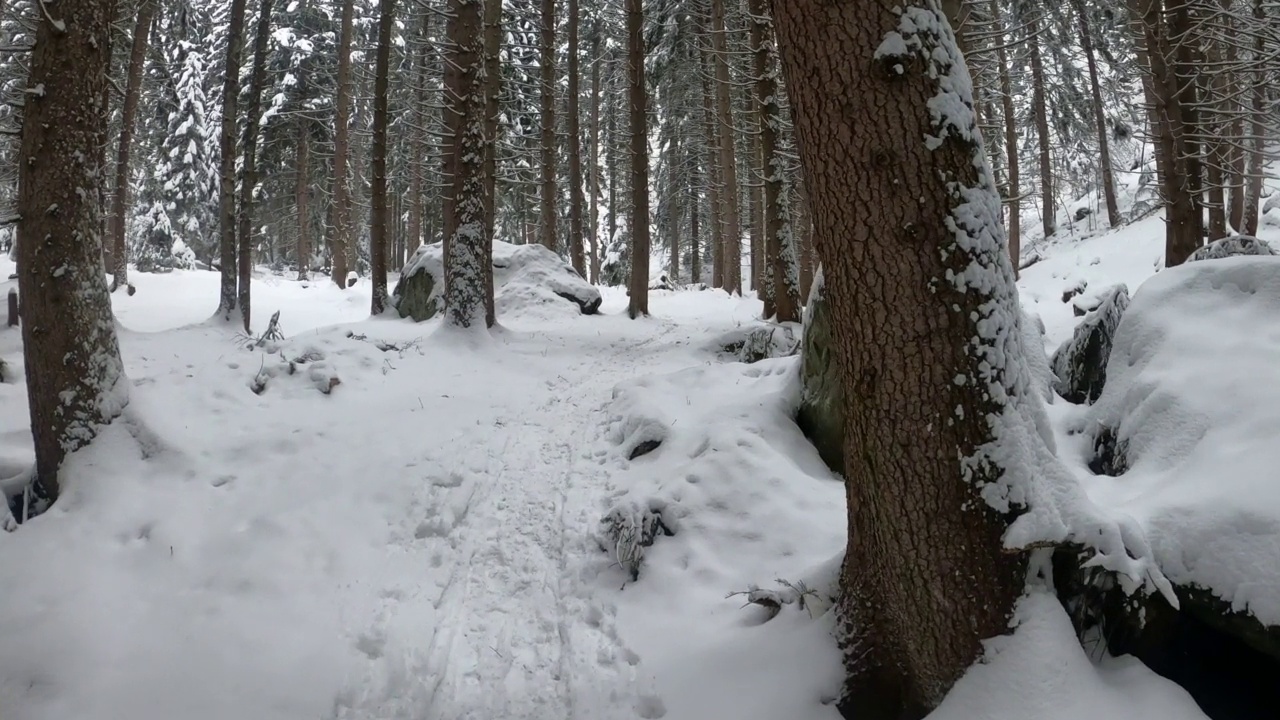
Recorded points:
(926, 577)
(715, 217)
(302, 192)
(1186, 75)
(804, 242)
(1048, 214)
(341, 211)
(417, 140)
(575, 149)
(493, 91)
(639, 296)
(548, 234)
(1099, 116)
(1231, 107)
(379, 225)
(780, 251)
(695, 237)
(227, 172)
(595, 153)
(732, 253)
(1257, 127)
(133, 89)
(250, 175)
(468, 254)
(1014, 200)
(75, 378)
(611, 156)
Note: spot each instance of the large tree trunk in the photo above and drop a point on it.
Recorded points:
(926, 577)
(639, 286)
(575, 149)
(133, 90)
(715, 217)
(1014, 192)
(804, 242)
(695, 235)
(302, 192)
(417, 140)
(468, 264)
(547, 231)
(732, 253)
(1257, 127)
(250, 176)
(379, 225)
(780, 252)
(1099, 116)
(227, 171)
(75, 379)
(493, 91)
(341, 211)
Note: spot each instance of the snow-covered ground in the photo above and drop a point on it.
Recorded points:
(423, 540)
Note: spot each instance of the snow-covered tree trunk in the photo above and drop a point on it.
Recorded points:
(133, 91)
(548, 233)
(467, 252)
(715, 218)
(732, 252)
(379, 226)
(575, 149)
(75, 379)
(638, 304)
(228, 296)
(924, 310)
(417, 139)
(594, 171)
(340, 237)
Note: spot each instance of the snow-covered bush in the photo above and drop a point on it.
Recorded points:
(1080, 364)
(524, 277)
(1232, 246)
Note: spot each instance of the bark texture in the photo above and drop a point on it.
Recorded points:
(925, 576)
(1099, 116)
(250, 177)
(75, 379)
(638, 304)
(227, 171)
(575, 149)
(302, 191)
(379, 229)
(133, 90)
(547, 229)
(341, 208)
(731, 265)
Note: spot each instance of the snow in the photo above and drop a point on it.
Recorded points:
(425, 539)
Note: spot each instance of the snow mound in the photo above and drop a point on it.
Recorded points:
(527, 279)
(1195, 415)
(1232, 246)
(730, 472)
(760, 341)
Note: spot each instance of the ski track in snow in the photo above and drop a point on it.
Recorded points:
(518, 630)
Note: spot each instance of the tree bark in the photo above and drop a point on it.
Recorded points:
(417, 140)
(1257, 127)
(548, 234)
(227, 173)
(1039, 105)
(638, 304)
(493, 91)
(379, 222)
(128, 115)
(715, 217)
(780, 253)
(1099, 116)
(302, 192)
(732, 252)
(250, 176)
(594, 175)
(75, 378)
(575, 149)
(341, 200)
(468, 264)
(926, 577)
(695, 236)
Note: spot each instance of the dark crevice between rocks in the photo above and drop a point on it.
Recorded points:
(1110, 454)
(1228, 661)
(589, 307)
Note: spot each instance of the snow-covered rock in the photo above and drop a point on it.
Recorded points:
(760, 341)
(1232, 246)
(1080, 364)
(1192, 408)
(524, 277)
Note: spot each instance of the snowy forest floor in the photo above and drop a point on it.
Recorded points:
(421, 541)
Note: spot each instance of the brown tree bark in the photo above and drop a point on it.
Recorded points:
(594, 174)
(249, 178)
(417, 139)
(341, 211)
(493, 91)
(731, 265)
(575, 149)
(695, 236)
(227, 171)
(548, 233)
(468, 254)
(926, 577)
(804, 243)
(782, 273)
(75, 378)
(302, 193)
(1257, 128)
(128, 115)
(1040, 109)
(1099, 116)
(379, 226)
(638, 302)
(715, 217)
(1014, 199)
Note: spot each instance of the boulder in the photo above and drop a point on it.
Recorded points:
(1080, 364)
(523, 276)
(1232, 246)
(821, 411)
